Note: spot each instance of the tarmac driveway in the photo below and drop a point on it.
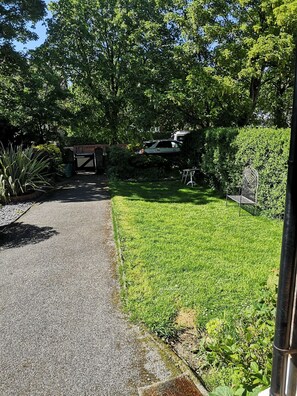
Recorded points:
(61, 329)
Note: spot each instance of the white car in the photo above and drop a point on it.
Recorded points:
(180, 135)
(161, 147)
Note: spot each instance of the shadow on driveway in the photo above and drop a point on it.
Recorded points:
(21, 234)
(81, 188)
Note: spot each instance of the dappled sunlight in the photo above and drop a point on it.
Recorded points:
(193, 250)
(164, 192)
(82, 188)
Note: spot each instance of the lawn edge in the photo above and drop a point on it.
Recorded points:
(165, 348)
(119, 252)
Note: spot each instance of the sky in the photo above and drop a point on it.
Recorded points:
(40, 29)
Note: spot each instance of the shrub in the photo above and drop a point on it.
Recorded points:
(268, 151)
(217, 158)
(212, 151)
(67, 156)
(54, 155)
(242, 351)
(119, 163)
(124, 164)
(22, 171)
(191, 149)
(222, 153)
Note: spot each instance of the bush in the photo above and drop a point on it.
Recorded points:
(217, 158)
(124, 164)
(21, 171)
(242, 351)
(119, 163)
(222, 153)
(54, 156)
(192, 149)
(268, 151)
(67, 156)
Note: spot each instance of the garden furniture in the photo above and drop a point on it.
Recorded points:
(188, 176)
(248, 191)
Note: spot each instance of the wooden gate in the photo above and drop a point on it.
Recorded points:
(85, 162)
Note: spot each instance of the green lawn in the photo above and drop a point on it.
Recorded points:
(183, 248)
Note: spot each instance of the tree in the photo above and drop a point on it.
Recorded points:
(15, 17)
(116, 53)
(245, 41)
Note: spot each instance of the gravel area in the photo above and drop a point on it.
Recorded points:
(10, 213)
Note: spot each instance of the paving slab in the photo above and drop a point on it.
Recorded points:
(62, 331)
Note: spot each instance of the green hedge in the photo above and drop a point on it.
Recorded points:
(217, 158)
(125, 164)
(222, 153)
(268, 150)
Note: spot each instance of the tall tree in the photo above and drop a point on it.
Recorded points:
(247, 44)
(35, 99)
(16, 20)
(116, 52)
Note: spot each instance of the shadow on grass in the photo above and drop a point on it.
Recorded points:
(246, 210)
(164, 192)
(20, 234)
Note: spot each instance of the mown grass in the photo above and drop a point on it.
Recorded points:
(183, 248)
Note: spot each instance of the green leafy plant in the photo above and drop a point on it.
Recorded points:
(222, 153)
(119, 163)
(227, 391)
(22, 171)
(54, 154)
(124, 164)
(243, 349)
(222, 391)
(2, 189)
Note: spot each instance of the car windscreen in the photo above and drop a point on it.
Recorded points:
(164, 144)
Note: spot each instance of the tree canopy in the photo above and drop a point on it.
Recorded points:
(17, 18)
(115, 70)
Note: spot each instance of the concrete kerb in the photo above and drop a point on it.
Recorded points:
(120, 257)
(178, 361)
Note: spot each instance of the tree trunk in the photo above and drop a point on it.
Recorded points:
(112, 116)
(279, 114)
(255, 87)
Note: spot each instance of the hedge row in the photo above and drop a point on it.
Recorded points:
(222, 153)
(124, 164)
